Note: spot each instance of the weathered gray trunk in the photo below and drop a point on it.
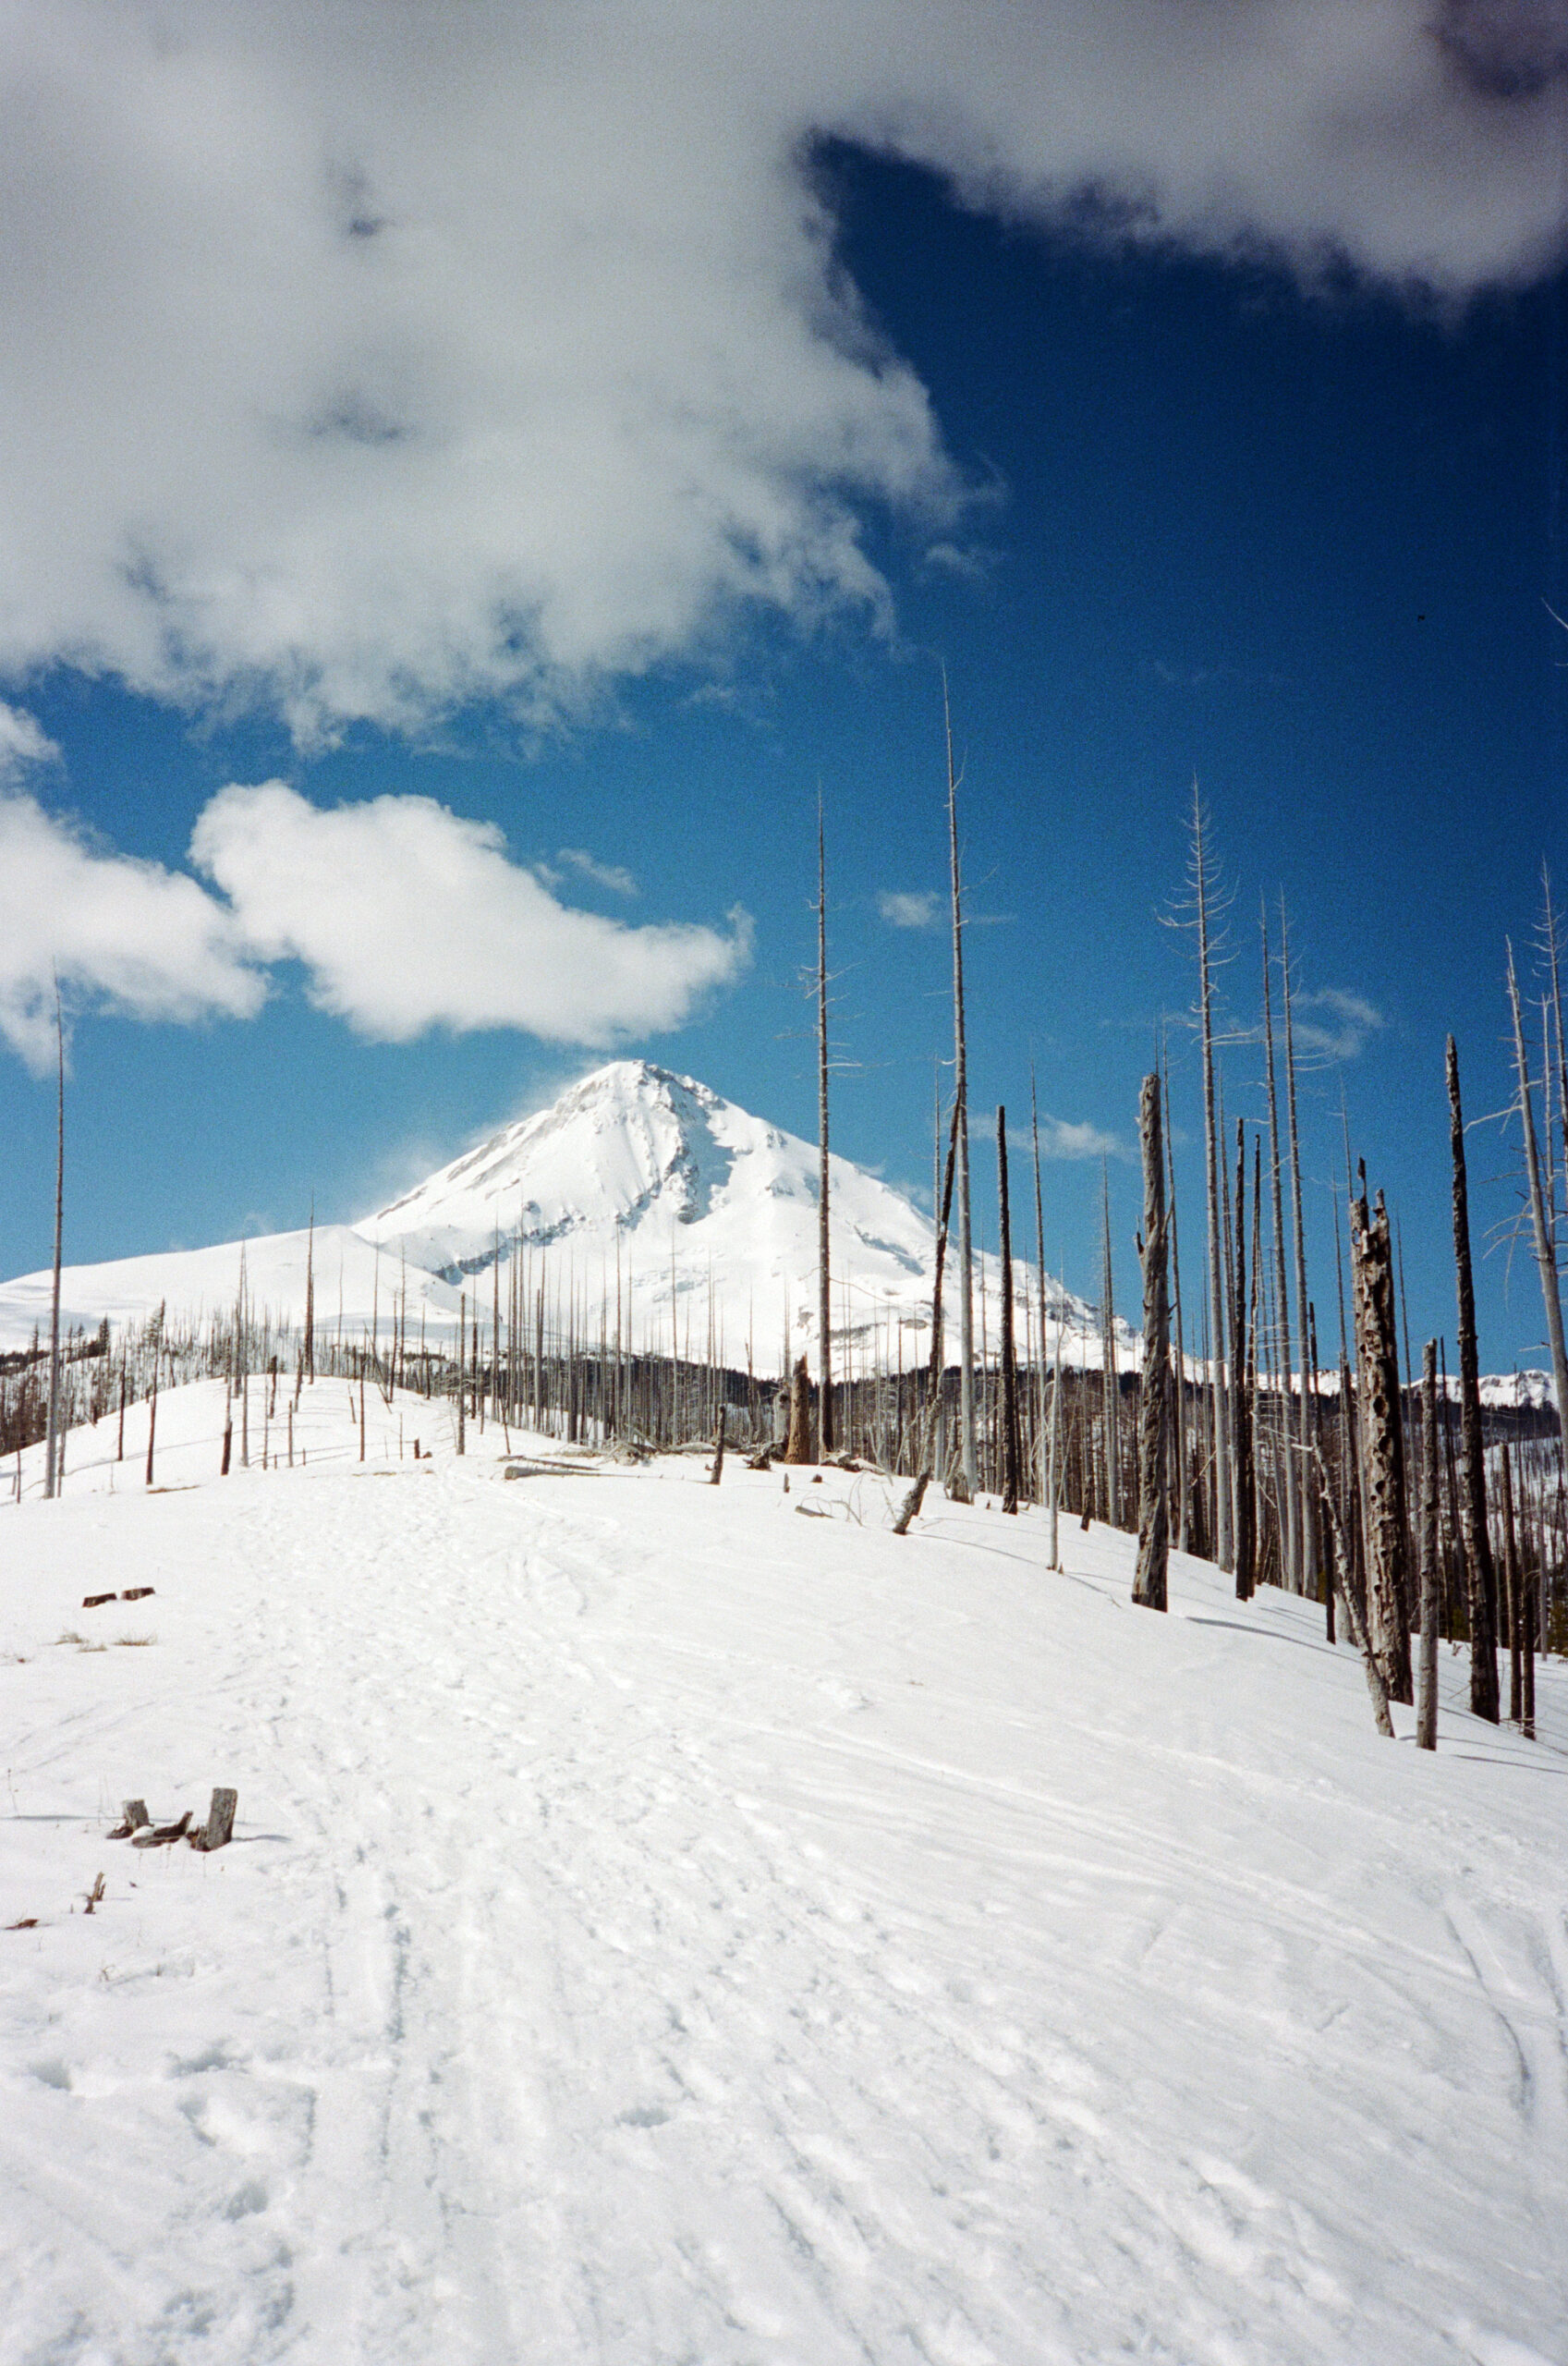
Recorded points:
(1426, 1704)
(967, 1478)
(1371, 1260)
(1294, 1578)
(53, 1457)
(1355, 1609)
(1308, 1410)
(1479, 1575)
(824, 1292)
(1009, 1366)
(1243, 1472)
(1110, 1398)
(1546, 1250)
(1222, 1488)
(1154, 1517)
(799, 1449)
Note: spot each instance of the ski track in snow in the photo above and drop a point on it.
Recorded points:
(661, 1928)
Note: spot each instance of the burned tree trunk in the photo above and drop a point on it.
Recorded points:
(1244, 1472)
(1426, 1709)
(1371, 1260)
(799, 1446)
(1545, 1251)
(824, 1291)
(1355, 1604)
(1009, 1365)
(1154, 1517)
(53, 1453)
(1480, 1577)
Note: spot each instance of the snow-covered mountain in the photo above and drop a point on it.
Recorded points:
(635, 1177)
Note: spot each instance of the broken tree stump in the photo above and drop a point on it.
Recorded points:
(134, 1818)
(94, 1601)
(218, 1830)
(160, 1835)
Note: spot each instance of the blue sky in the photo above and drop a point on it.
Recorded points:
(1234, 450)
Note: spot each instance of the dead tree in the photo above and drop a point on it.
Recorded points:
(1243, 1465)
(1354, 1606)
(1545, 1251)
(964, 1487)
(1511, 1589)
(1309, 1363)
(1009, 1365)
(1109, 1397)
(1154, 1517)
(1372, 1260)
(824, 1295)
(53, 1456)
(1211, 1153)
(1289, 1502)
(1427, 1707)
(799, 1448)
(1480, 1578)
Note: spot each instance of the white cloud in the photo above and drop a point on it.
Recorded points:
(407, 917)
(1066, 1137)
(123, 935)
(907, 911)
(22, 743)
(614, 876)
(1352, 1019)
(366, 358)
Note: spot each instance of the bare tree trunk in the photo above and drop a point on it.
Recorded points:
(462, 1355)
(799, 1448)
(1009, 1366)
(1109, 1387)
(1511, 1592)
(1179, 1373)
(1480, 1577)
(1222, 1489)
(968, 1479)
(1307, 1524)
(1294, 1578)
(52, 1453)
(1154, 1519)
(1427, 1707)
(1546, 1252)
(1244, 1470)
(824, 1302)
(1378, 1356)
(1040, 1280)
(1344, 1578)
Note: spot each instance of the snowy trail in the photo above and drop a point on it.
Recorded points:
(664, 1927)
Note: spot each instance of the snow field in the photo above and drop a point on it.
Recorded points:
(664, 1927)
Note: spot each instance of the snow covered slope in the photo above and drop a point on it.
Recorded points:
(352, 1280)
(694, 1199)
(662, 1926)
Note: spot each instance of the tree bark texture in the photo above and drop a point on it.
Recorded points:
(799, 1449)
(1009, 1361)
(1479, 1574)
(1154, 1515)
(1426, 1705)
(1371, 1264)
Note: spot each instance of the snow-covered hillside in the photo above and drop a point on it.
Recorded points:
(696, 1201)
(663, 1926)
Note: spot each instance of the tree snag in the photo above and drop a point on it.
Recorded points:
(1154, 1518)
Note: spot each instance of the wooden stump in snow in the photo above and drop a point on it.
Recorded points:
(218, 1830)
